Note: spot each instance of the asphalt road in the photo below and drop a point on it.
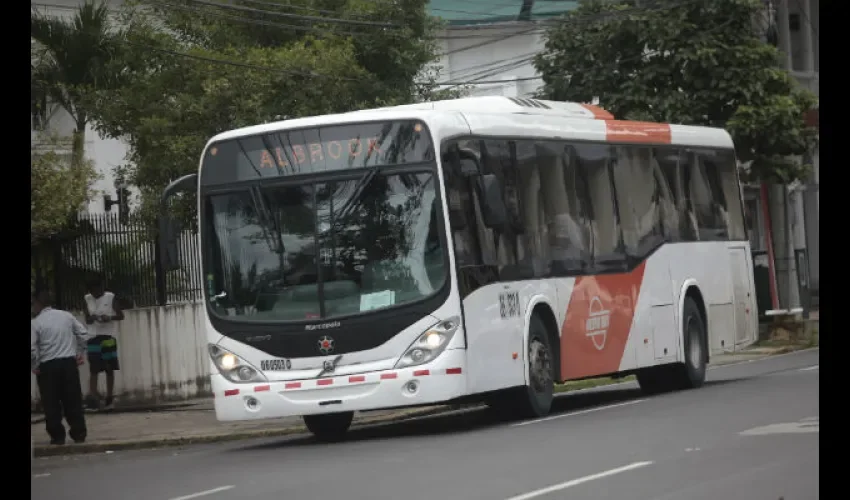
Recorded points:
(751, 434)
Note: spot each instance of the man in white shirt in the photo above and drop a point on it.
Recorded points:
(102, 311)
(57, 342)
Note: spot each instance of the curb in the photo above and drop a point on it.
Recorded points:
(88, 448)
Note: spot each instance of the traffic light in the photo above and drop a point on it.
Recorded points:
(123, 205)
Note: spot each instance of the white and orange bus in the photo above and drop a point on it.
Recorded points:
(480, 248)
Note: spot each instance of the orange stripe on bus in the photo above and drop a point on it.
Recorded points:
(599, 319)
(637, 132)
(598, 113)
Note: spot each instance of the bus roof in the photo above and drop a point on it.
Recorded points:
(509, 117)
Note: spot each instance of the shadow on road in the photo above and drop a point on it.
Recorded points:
(474, 419)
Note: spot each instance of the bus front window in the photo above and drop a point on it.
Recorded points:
(323, 250)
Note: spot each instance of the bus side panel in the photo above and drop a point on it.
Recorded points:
(708, 263)
(495, 327)
(654, 335)
(598, 323)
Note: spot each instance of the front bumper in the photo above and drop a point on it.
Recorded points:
(441, 380)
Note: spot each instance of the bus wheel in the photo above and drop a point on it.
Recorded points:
(329, 427)
(692, 373)
(535, 399)
(687, 375)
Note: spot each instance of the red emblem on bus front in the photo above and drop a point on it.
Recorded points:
(326, 345)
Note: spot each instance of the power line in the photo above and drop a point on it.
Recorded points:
(300, 17)
(613, 64)
(647, 6)
(257, 22)
(464, 72)
(311, 74)
(237, 64)
(301, 8)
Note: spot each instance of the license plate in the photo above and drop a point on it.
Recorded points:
(275, 365)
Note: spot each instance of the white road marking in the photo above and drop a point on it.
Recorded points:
(816, 367)
(805, 426)
(576, 482)
(204, 493)
(41, 475)
(589, 410)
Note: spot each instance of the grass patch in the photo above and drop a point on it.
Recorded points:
(812, 341)
(575, 385)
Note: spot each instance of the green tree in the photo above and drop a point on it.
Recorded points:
(693, 63)
(195, 69)
(57, 190)
(69, 56)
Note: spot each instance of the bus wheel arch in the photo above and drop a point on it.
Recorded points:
(689, 373)
(533, 399)
(543, 311)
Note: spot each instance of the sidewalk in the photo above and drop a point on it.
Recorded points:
(751, 354)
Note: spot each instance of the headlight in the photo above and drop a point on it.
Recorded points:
(234, 368)
(430, 344)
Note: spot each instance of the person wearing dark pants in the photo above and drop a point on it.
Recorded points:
(57, 343)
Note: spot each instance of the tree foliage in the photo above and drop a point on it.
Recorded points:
(693, 62)
(57, 190)
(195, 69)
(70, 56)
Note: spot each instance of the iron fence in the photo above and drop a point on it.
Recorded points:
(124, 255)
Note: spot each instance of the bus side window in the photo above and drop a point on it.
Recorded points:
(595, 168)
(665, 166)
(497, 159)
(706, 198)
(534, 218)
(461, 210)
(722, 169)
(639, 200)
(567, 217)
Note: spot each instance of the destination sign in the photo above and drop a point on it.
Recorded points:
(316, 150)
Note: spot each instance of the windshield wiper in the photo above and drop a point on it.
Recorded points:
(362, 183)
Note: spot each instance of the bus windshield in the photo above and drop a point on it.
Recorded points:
(323, 248)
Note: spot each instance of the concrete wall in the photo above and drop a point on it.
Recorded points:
(163, 356)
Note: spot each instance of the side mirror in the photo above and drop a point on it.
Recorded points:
(169, 227)
(493, 208)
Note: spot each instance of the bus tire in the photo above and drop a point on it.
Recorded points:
(694, 335)
(687, 375)
(535, 399)
(329, 427)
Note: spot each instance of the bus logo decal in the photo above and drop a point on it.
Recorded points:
(596, 325)
(326, 345)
